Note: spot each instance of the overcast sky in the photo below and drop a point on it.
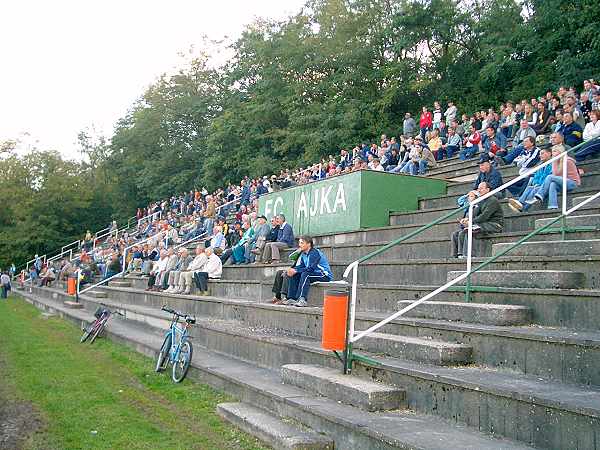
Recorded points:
(67, 65)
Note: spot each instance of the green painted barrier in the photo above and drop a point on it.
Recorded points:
(349, 202)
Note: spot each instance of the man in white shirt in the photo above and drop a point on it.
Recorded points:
(212, 270)
(197, 265)
(157, 268)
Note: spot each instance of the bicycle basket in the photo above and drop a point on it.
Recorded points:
(99, 312)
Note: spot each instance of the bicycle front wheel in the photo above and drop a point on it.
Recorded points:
(182, 365)
(163, 354)
(87, 332)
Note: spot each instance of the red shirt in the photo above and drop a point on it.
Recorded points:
(426, 120)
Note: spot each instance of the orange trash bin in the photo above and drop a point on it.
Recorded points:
(71, 286)
(335, 318)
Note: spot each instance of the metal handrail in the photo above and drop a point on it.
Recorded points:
(352, 336)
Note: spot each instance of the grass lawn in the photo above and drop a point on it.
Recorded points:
(103, 396)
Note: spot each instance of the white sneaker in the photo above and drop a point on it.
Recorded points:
(515, 205)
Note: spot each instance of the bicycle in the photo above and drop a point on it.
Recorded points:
(97, 326)
(176, 349)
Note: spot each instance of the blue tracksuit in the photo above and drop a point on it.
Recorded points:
(310, 268)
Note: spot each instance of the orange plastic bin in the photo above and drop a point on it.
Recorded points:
(335, 317)
(71, 286)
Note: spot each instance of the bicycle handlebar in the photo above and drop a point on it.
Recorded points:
(188, 318)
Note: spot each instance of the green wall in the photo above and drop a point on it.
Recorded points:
(349, 202)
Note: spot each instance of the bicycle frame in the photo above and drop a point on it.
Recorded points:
(178, 334)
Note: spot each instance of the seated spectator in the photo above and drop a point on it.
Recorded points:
(186, 276)
(525, 161)
(488, 174)
(487, 218)
(494, 144)
(472, 144)
(163, 275)
(281, 284)
(239, 251)
(212, 270)
(553, 183)
(312, 266)
(522, 133)
(435, 143)
(182, 265)
(534, 184)
(114, 266)
(256, 245)
(149, 257)
(375, 164)
(591, 133)
(136, 259)
(452, 145)
(66, 269)
(285, 239)
(232, 239)
(157, 268)
(47, 276)
(218, 241)
(572, 132)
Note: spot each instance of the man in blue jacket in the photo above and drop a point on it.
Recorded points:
(572, 132)
(311, 267)
(285, 239)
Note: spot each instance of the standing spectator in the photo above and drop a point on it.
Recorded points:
(437, 115)
(425, 122)
(450, 113)
(487, 218)
(409, 126)
(312, 267)
(5, 286)
(285, 239)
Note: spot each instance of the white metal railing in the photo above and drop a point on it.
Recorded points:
(353, 267)
(76, 243)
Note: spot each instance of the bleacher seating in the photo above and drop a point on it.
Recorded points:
(517, 367)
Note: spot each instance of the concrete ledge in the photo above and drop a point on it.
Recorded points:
(556, 248)
(278, 434)
(483, 313)
(120, 283)
(587, 220)
(537, 279)
(579, 200)
(333, 384)
(73, 305)
(416, 349)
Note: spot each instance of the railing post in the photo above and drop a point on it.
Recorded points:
(564, 197)
(469, 254)
(77, 285)
(124, 262)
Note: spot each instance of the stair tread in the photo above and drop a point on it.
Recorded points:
(417, 341)
(271, 429)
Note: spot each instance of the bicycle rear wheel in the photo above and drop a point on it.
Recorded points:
(163, 354)
(87, 332)
(182, 365)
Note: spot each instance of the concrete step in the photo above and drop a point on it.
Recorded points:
(232, 325)
(333, 384)
(537, 279)
(552, 249)
(416, 349)
(273, 431)
(585, 220)
(97, 294)
(590, 178)
(579, 200)
(450, 200)
(119, 283)
(488, 314)
(426, 271)
(347, 426)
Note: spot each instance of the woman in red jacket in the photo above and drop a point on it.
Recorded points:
(425, 122)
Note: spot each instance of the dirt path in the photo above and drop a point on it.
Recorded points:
(18, 419)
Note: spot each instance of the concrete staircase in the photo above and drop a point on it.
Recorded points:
(517, 367)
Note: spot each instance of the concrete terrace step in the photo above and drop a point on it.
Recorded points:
(552, 249)
(331, 383)
(591, 178)
(119, 283)
(347, 426)
(537, 279)
(97, 294)
(416, 349)
(482, 313)
(579, 200)
(586, 220)
(275, 432)
(538, 351)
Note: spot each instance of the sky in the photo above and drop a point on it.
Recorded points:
(69, 65)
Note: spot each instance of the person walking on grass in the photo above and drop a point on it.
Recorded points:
(4, 285)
